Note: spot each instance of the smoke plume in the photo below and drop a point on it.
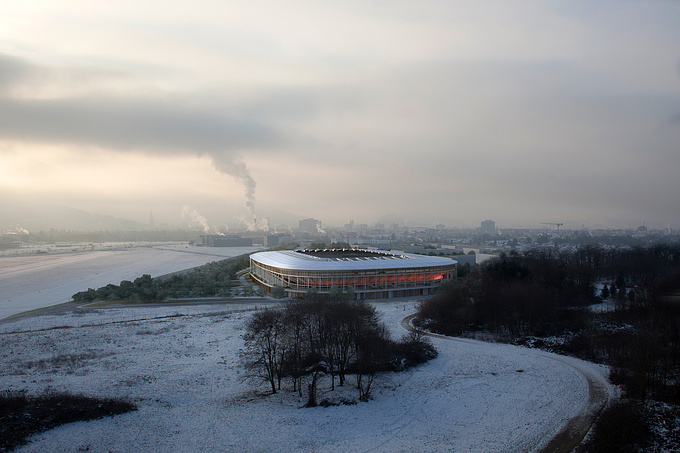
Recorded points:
(254, 224)
(237, 169)
(193, 218)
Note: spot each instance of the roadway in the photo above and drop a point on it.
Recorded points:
(600, 392)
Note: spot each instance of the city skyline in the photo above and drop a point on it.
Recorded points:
(439, 113)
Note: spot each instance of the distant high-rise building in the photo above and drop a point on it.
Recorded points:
(488, 227)
(310, 226)
(151, 222)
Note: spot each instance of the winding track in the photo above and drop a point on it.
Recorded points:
(575, 430)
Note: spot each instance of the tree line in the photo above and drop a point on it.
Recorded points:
(209, 280)
(322, 335)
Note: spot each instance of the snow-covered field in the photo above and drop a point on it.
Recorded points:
(30, 282)
(180, 365)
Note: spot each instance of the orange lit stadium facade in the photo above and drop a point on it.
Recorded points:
(369, 274)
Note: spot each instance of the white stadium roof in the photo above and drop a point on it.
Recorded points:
(288, 259)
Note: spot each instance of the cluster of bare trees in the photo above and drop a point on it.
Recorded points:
(305, 339)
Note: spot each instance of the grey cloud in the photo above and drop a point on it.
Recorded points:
(300, 103)
(152, 126)
(197, 123)
(12, 69)
(170, 124)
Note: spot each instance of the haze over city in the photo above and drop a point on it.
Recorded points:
(439, 112)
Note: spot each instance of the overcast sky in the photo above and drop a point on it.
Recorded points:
(431, 111)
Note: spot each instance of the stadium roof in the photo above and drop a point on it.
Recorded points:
(379, 260)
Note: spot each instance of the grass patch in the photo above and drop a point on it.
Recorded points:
(69, 362)
(37, 310)
(113, 302)
(22, 415)
(165, 302)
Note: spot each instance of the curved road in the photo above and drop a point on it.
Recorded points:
(575, 430)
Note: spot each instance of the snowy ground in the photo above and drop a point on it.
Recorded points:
(30, 282)
(180, 366)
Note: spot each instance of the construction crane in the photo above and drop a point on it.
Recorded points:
(558, 225)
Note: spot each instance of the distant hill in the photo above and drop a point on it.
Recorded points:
(18, 215)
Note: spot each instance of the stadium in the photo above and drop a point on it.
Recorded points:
(369, 274)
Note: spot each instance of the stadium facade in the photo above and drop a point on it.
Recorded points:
(369, 274)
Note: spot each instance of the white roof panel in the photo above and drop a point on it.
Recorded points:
(288, 259)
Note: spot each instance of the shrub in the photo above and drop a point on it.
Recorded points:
(22, 415)
(278, 292)
(414, 349)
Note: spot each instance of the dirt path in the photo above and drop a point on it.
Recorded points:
(576, 429)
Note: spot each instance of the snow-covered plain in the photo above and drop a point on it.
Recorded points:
(31, 282)
(180, 365)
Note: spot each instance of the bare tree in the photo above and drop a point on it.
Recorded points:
(265, 346)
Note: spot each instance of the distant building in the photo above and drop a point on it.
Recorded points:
(218, 240)
(271, 241)
(488, 227)
(310, 226)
